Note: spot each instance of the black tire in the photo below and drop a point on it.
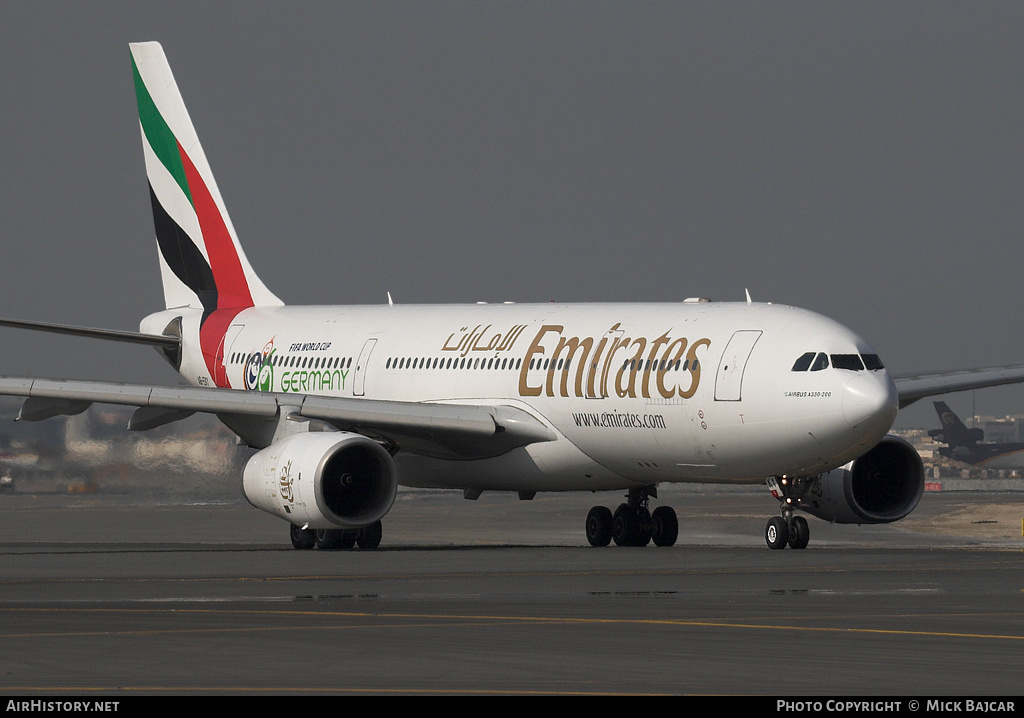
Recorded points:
(370, 536)
(644, 528)
(328, 539)
(800, 533)
(599, 526)
(776, 535)
(626, 529)
(302, 539)
(665, 529)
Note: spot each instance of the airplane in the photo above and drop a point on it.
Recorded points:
(968, 445)
(345, 403)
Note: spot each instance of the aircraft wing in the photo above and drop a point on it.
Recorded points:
(914, 387)
(457, 431)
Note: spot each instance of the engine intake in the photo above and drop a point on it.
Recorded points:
(882, 486)
(322, 480)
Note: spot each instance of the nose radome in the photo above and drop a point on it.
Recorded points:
(870, 398)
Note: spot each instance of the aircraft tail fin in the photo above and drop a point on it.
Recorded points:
(949, 419)
(953, 432)
(201, 260)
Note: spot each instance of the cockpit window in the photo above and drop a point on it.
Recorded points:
(872, 362)
(847, 361)
(816, 361)
(804, 362)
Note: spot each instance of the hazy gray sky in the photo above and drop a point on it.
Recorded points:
(863, 160)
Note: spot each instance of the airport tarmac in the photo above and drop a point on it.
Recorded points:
(133, 595)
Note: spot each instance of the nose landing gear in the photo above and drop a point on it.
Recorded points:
(778, 533)
(788, 529)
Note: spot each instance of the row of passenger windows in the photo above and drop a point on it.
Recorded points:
(299, 362)
(816, 361)
(451, 363)
(538, 363)
(307, 362)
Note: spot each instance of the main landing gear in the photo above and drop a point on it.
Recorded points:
(633, 524)
(788, 529)
(329, 539)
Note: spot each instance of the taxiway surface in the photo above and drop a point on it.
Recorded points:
(124, 594)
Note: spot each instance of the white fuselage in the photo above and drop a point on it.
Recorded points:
(637, 393)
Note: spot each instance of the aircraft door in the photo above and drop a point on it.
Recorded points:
(231, 334)
(729, 382)
(359, 377)
(226, 342)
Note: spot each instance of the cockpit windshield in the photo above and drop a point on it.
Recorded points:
(817, 361)
(847, 361)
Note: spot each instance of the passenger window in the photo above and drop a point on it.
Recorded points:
(820, 362)
(804, 362)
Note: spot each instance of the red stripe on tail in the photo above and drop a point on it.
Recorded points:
(232, 288)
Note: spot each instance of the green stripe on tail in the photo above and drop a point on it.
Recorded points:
(159, 135)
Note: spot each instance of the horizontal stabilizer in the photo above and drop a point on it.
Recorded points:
(156, 340)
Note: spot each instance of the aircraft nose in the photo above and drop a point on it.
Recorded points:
(870, 399)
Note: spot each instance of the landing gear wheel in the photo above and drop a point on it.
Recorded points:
(599, 526)
(645, 527)
(632, 523)
(624, 526)
(664, 526)
(370, 536)
(631, 527)
(776, 535)
(799, 533)
(302, 539)
(329, 539)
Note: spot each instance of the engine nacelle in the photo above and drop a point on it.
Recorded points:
(322, 480)
(882, 486)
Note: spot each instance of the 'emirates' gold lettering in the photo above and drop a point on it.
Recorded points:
(628, 363)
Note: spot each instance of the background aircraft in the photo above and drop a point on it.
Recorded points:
(968, 444)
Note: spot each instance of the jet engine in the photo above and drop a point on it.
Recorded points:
(882, 486)
(322, 480)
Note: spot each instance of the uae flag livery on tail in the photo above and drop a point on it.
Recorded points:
(201, 261)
